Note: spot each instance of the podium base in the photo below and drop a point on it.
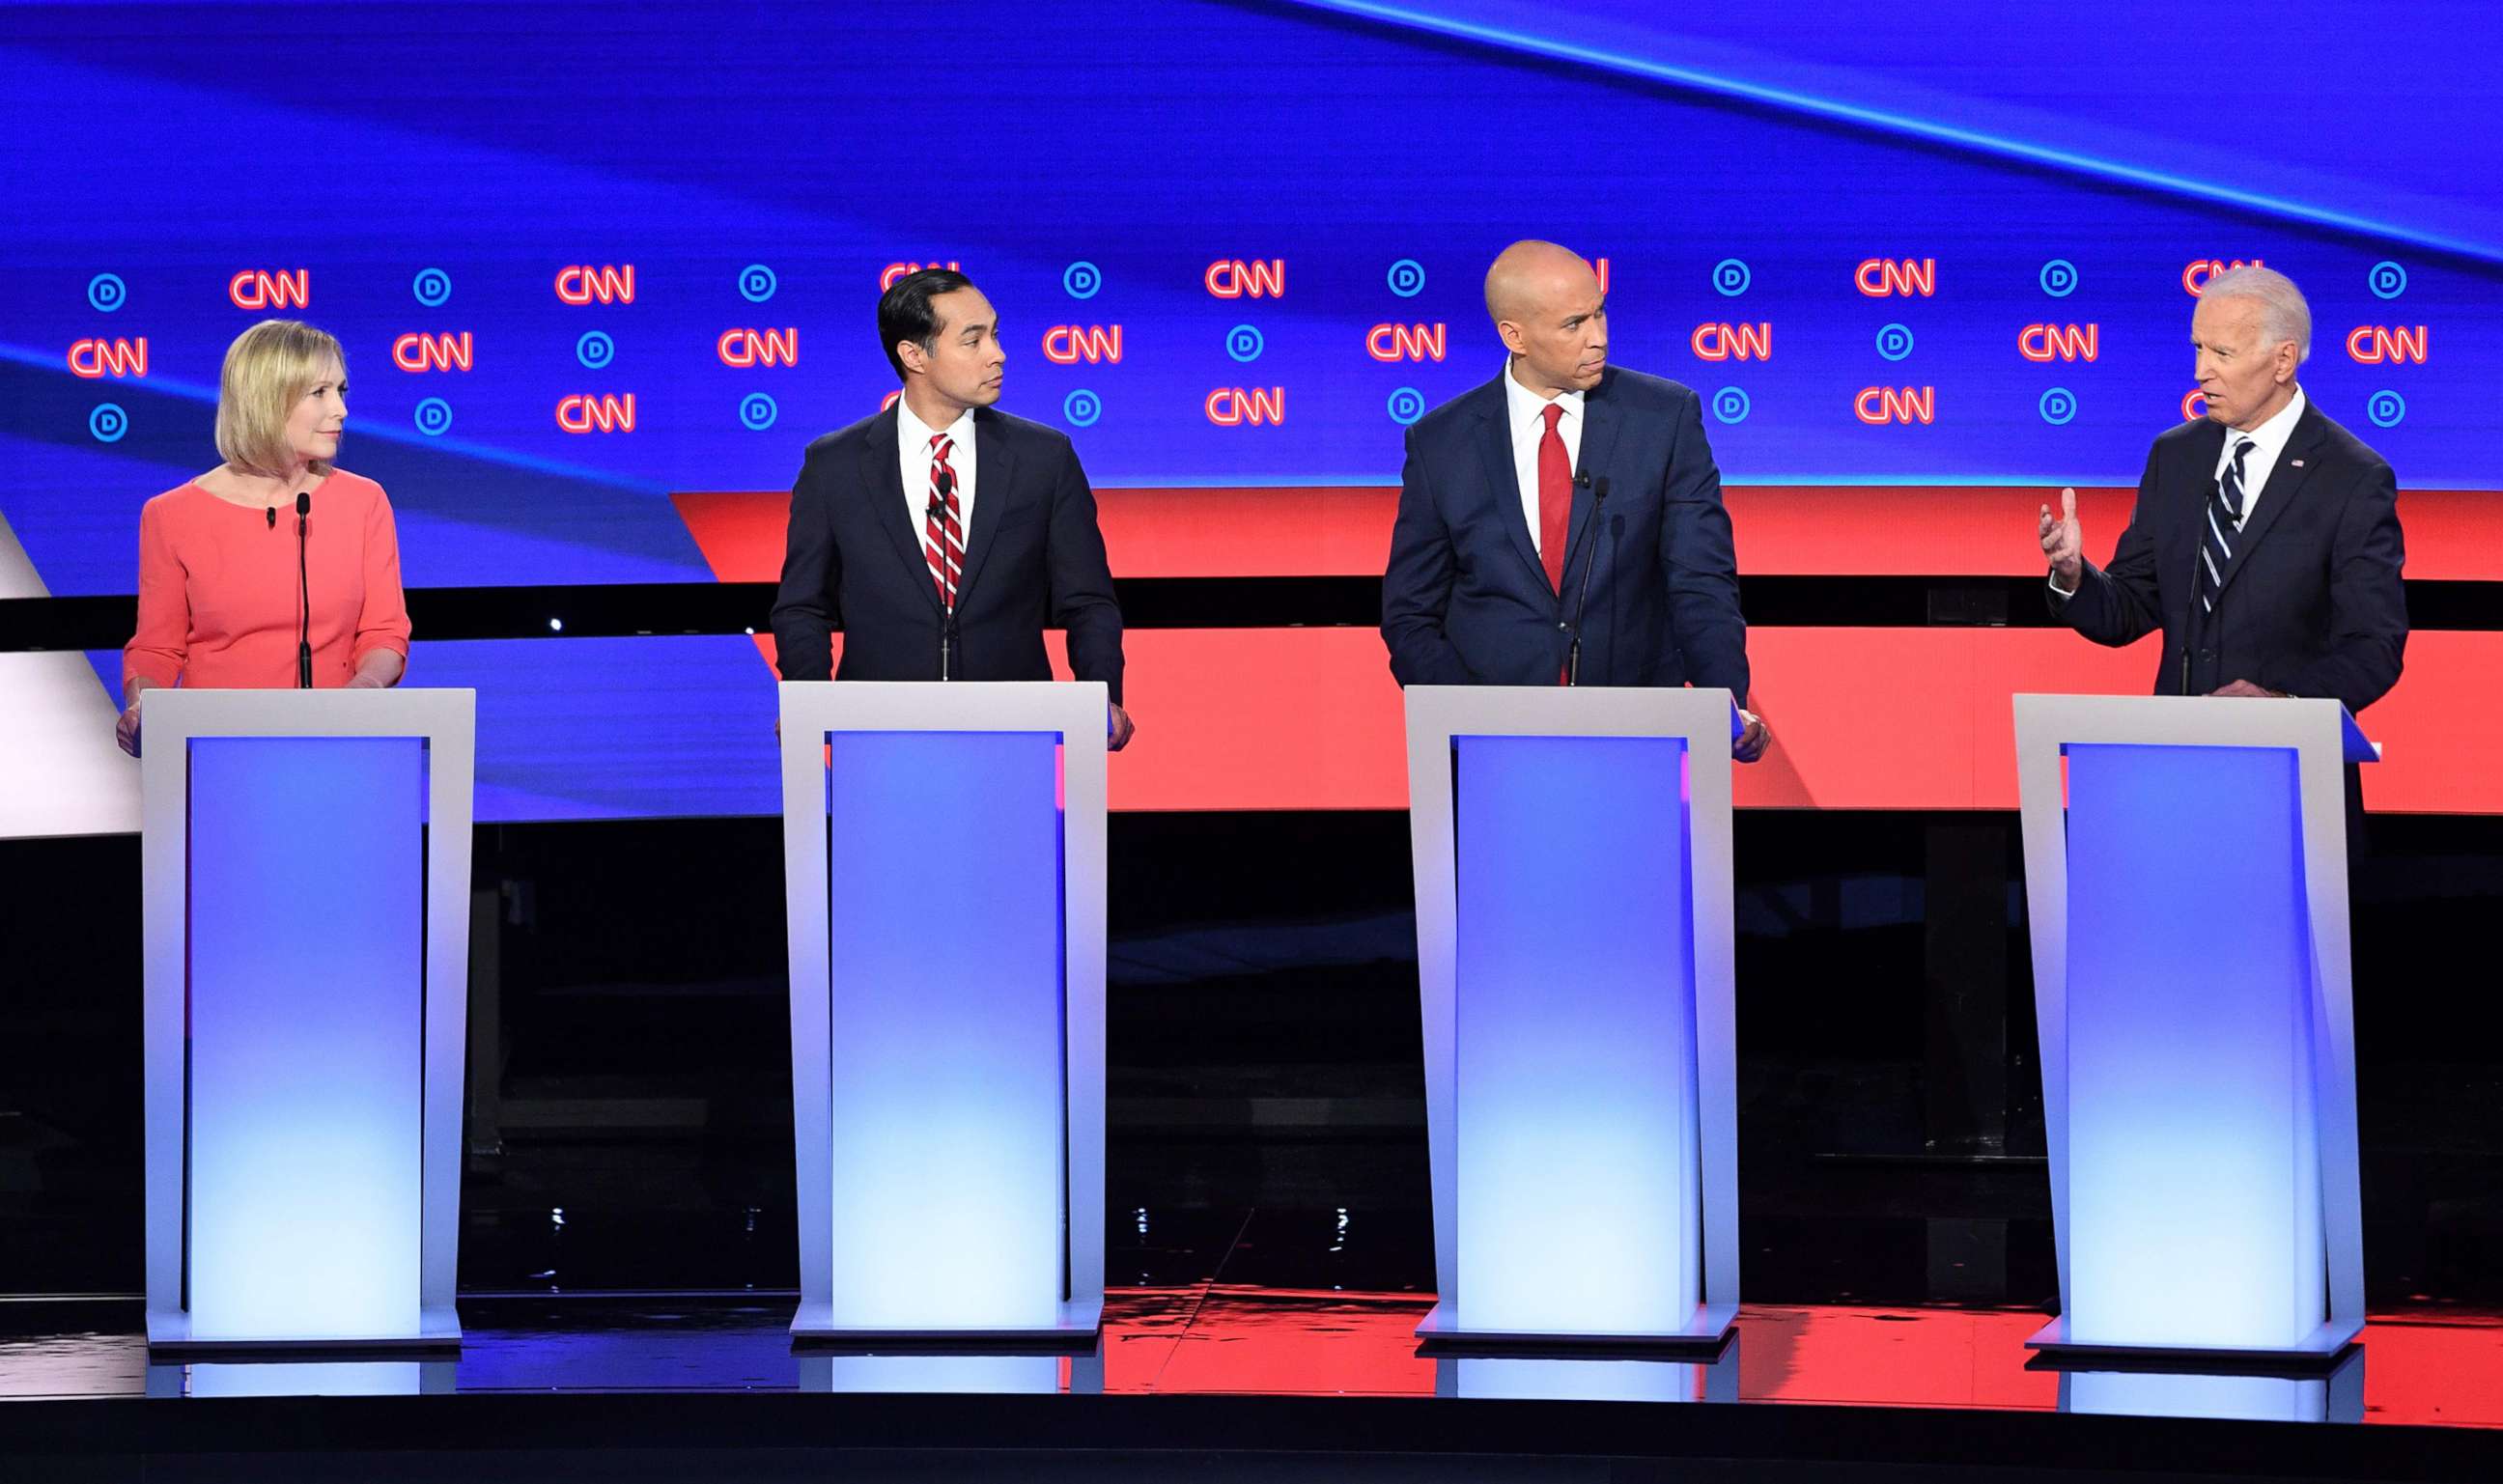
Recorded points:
(169, 1335)
(1701, 1337)
(1075, 1325)
(2315, 1352)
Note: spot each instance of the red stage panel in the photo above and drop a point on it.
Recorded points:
(1988, 531)
(1806, 530)
(1862, 717)
(1852, 1356)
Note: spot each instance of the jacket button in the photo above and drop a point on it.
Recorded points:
(1563, 627)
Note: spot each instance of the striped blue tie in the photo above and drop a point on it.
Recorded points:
(2224, 520)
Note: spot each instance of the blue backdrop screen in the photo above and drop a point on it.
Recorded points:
(583, 255)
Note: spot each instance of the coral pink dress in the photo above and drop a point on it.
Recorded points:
(218, 597)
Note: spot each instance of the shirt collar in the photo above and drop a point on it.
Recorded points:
(1523, 405)
(2268, 439)
(915, 434)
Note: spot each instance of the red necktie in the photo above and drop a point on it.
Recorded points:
(942, 543)
(1555, 498)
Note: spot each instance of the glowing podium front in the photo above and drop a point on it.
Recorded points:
(305, 879)
(2185, 876)
(1571, 848)
(943, 861)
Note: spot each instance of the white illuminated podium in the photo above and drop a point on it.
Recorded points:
(306, 874)
(943, 859)
(1571, 847)
(2191, 981)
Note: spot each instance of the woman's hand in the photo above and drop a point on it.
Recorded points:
(377, 669)
(127, 730)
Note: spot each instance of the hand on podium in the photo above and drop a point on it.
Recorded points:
(1752, 742)
(126, 731)
(2064, 543)
(2245, 688)
(1118, 728)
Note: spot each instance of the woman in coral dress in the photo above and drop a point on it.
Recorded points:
(219, 600)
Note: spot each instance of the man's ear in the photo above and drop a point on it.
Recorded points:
(915, 359)
(1509, 332)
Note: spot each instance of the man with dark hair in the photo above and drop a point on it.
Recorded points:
(943, 536)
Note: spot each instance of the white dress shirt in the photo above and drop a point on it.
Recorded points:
(2268, 441)
(1525, 413)
(912, 445)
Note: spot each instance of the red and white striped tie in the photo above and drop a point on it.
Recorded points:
(943, 536)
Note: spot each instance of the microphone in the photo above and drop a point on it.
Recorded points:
(1582, 603)
(303, 592)
(271, 511)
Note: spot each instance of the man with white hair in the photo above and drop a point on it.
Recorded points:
(2265, 544)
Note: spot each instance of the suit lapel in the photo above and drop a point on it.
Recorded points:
(1503, 477)
(994, 487)
(2285, 483)
(1599, 424)
(881, 478)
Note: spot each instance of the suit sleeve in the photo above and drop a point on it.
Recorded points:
(1081, 580)
(813, 581)
(1417, 585)
(1698, 559)
(2368, 605)
(2116, 604)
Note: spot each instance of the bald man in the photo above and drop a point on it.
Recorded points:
(1565, 499)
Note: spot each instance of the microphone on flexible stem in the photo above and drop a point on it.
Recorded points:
(304, 596)
(1582, 603)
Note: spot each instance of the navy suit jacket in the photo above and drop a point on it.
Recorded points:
(1466, 600)
(1034, 556)
(2311, 603)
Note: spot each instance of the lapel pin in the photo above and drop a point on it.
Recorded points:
(2298, 464)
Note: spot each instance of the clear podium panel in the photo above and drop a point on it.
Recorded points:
(2194, 1173)
(2337, 1395)
(944, 876)
(300, 1378)
(304, 860)
(1572, 848)
(2185, 882)
(1520, 1379)
(1575, 1039)
(307, 1001)
(937, 1374)
(944, 921)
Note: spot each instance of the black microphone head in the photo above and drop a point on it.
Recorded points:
(947, 482)
(1599, 489)
(304, 502)
(271, 511)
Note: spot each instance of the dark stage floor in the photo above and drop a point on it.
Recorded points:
(1238, 1381)
(628, 1133)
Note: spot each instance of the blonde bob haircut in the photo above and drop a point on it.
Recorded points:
(269, 368)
